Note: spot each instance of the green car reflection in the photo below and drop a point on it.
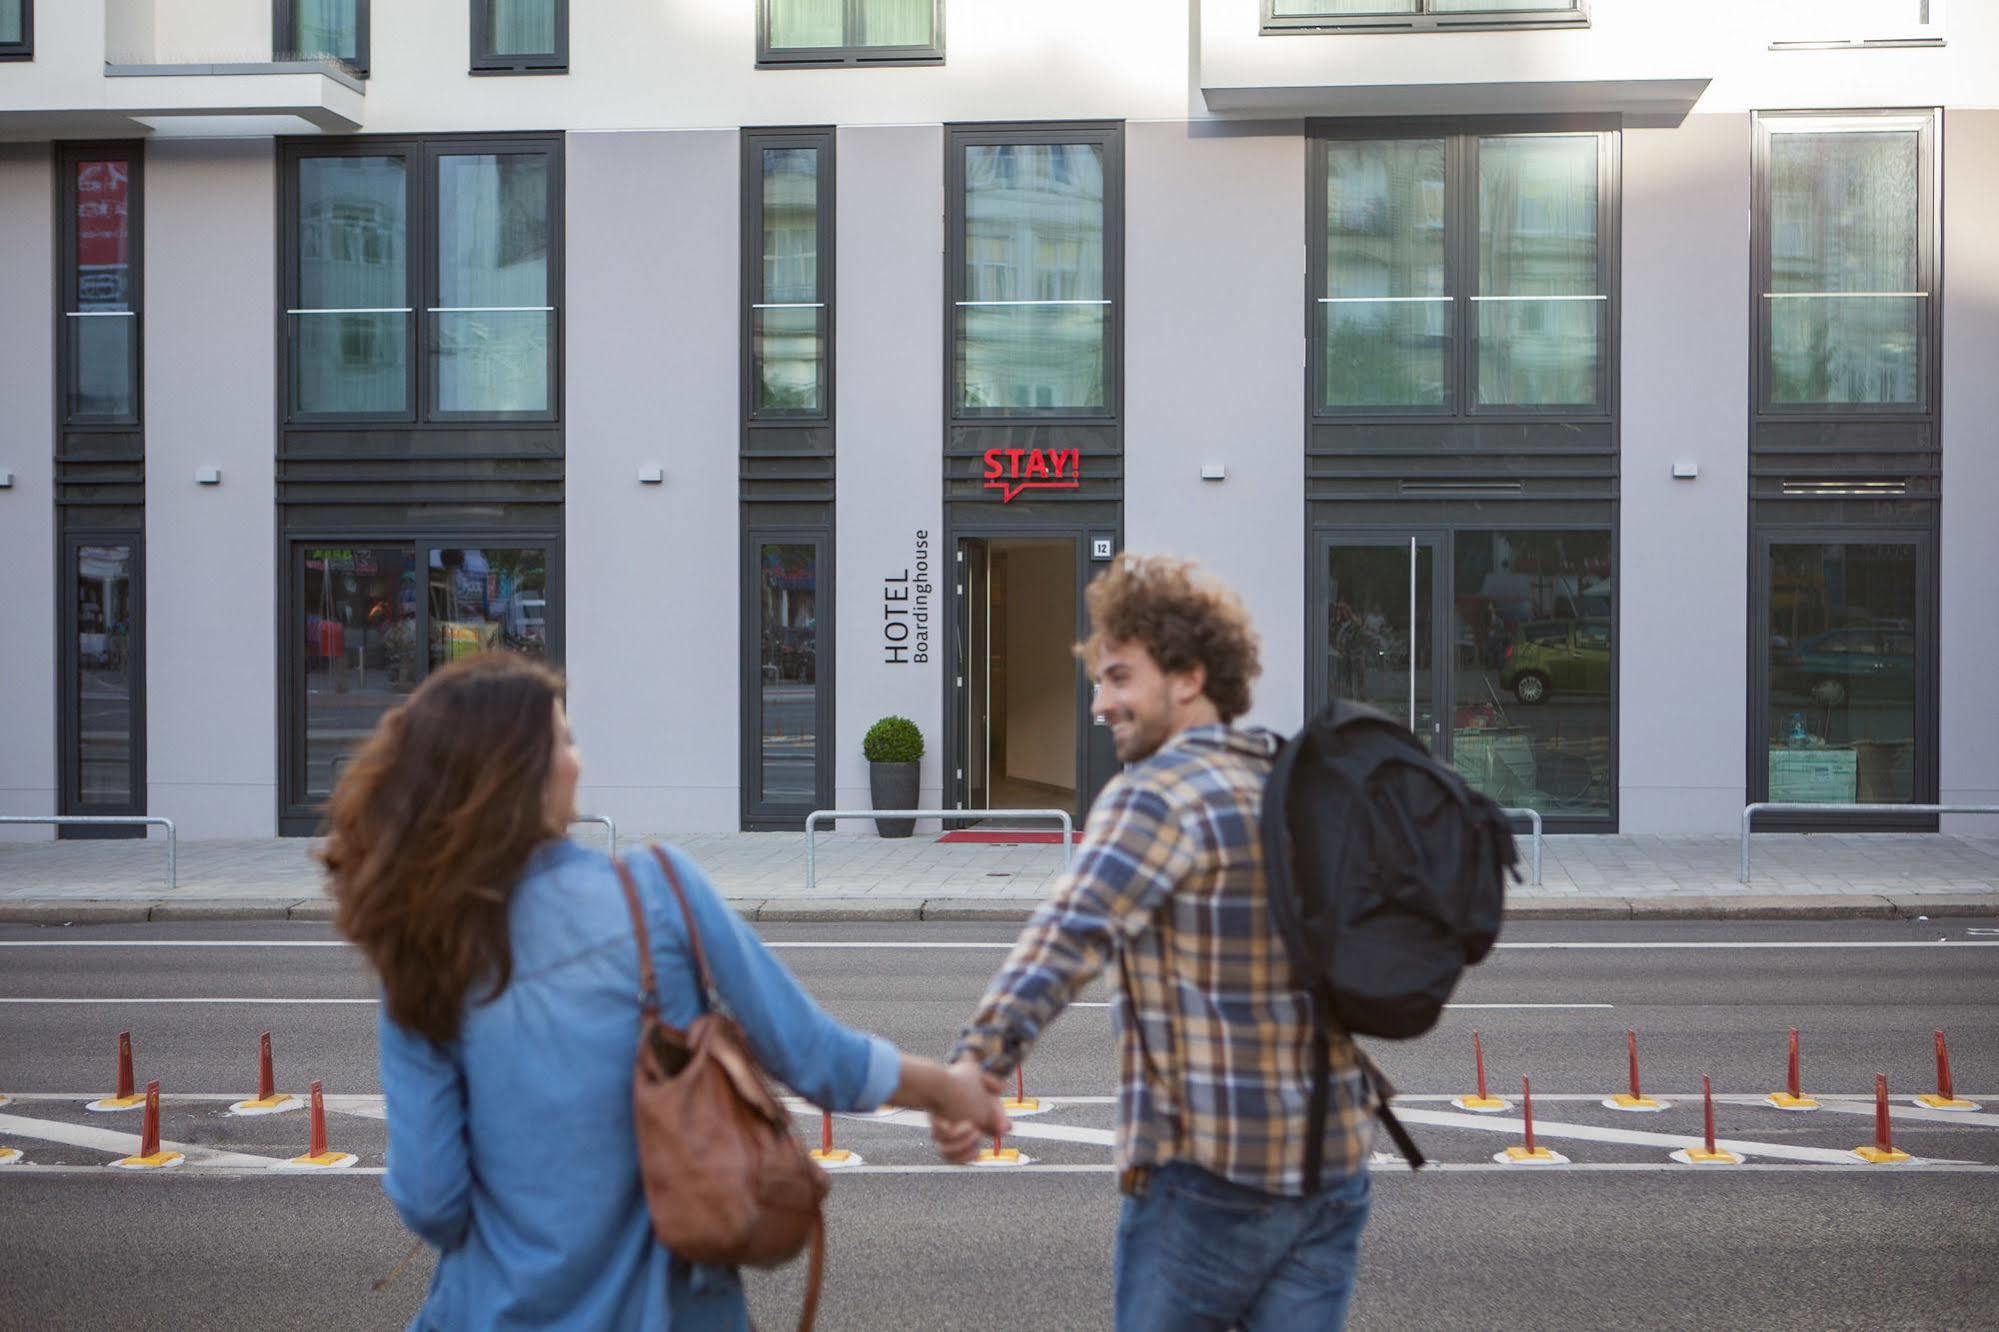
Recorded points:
(1832, 667)
(1547, 656)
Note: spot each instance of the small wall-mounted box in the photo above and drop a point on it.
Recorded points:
(651, 475)
(1686, 469)
(6, 479)
(1214, 471)
(208, 476)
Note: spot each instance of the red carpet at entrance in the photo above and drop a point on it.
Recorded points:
(1001, 837)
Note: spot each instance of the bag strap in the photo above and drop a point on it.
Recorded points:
(708, 1001)
(648, 982)
(815, 1274)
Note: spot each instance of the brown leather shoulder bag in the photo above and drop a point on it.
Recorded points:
(726, 1180)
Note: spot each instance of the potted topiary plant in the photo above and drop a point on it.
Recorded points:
(893, 748)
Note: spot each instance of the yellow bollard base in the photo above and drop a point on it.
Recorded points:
(266, 1105)
(323, 1161)
(1701, 1156)
(6, 1100)
(108, 1103)
(1786, 1101)
(837, 1159)
(1482, 1105)
(1015, 1105)
(1519, 1155)
(1638, 1105)
(1875, 1156)
(10, 1156)
(1005, 1156)
(1931, 1101)
(157, 1161)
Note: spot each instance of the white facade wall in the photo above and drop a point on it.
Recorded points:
(27, 508)
(211, 555)
(1213, 358)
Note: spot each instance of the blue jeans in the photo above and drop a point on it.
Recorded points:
(1198, 1253)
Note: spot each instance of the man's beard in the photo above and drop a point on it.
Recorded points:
(1142, 739)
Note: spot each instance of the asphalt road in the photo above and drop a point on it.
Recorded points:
(1621, 1237)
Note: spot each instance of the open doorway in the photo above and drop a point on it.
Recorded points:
(1019, 698)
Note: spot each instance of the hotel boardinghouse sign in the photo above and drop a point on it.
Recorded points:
(1010, 471)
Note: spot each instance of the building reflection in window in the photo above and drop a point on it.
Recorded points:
(1534, 666)
(788, 625)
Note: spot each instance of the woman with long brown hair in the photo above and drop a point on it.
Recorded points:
(510, 1014)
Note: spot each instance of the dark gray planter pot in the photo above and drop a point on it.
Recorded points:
(893, 786)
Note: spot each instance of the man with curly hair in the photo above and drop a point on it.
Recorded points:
(1215, 1037)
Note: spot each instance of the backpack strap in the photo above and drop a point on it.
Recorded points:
(1322, 1085)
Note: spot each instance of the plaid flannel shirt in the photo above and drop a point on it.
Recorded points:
(1215, 1039)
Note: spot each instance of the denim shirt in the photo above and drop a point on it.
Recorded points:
(511, 1149)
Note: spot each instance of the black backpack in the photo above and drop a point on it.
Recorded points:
(1387, 879)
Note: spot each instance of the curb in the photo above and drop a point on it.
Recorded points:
(829, 910)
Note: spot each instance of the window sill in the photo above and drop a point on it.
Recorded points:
(1314, 26)
(1860, 44)
(835, 61)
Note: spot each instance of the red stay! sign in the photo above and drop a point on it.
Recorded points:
(1010, 471)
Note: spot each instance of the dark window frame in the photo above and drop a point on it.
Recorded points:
(486, 60)
(25, 48)
(68, 155)
(1461, 219)
(69, 722)
(282, 14)
(758, 813)
(434, 150)
(298, 814)
(848, 57)
(1440, 533)
(420, 157)
(1554, 15)
(1926, 762)
(755, 142)
(1109, 137)
(1929, 273)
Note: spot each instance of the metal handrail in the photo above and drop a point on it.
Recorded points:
(609, 826)
(1533, 817)
(121, 820)
(1750, 811)
(812, 826)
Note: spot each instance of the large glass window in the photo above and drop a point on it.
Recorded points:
(520, 36)
(788, 673)
(849, 31)
(100, 291)
(322, 30)
(357, 621)
(367, 629)
(788, 310)
(17, 29)
(493, 318)
(351, 327)
(1540, 295)
(1385, 311)
(1034, 319)
(476, 230)
(1461, 275)
(103, 577)
(491, 597)
(1847, 303)
(1845, 635)
(1533, 669)
(1515, 684)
